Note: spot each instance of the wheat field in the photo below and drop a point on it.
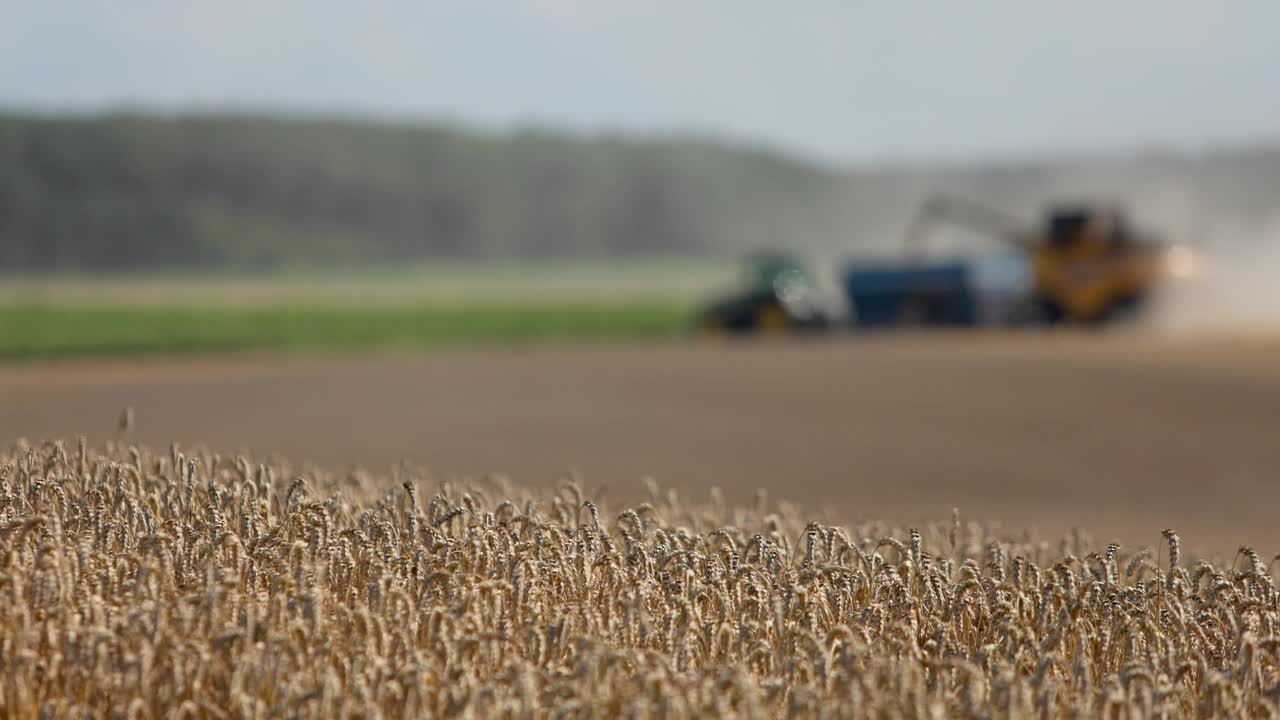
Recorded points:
(185, 584)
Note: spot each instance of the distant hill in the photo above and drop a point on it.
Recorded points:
(244, 192)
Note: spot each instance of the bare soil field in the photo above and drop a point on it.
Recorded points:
(1122, 435)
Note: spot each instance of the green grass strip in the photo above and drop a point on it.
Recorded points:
(35, 332)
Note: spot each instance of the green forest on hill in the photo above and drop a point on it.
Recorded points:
(242, 192)
(133, 192)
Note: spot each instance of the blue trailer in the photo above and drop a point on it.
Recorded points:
(957, 293)
(889, 296)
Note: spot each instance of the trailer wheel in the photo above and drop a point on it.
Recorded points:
(913, 313)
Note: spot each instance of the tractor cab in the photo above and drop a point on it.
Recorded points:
(777, 294)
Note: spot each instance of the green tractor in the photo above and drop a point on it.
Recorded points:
(778, 296)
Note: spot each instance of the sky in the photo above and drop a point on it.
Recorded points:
(843, 81)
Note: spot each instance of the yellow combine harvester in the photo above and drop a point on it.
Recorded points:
(1087, 265)
(1081, 266)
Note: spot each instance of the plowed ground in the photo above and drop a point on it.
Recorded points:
(1123, 435)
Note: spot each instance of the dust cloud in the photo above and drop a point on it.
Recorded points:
(1234, 289)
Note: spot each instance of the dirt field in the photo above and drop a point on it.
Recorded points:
(1125, 436)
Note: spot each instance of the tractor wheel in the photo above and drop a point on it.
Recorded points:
(711, 325)
(772, 320)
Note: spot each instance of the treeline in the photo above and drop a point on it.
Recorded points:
(146, 192)
(141, 192)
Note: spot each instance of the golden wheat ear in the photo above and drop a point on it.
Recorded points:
(124, 424)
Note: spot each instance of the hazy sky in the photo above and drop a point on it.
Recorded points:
(846, 80)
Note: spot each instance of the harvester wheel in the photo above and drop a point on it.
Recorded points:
(1124, 311)
(1050, 312)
